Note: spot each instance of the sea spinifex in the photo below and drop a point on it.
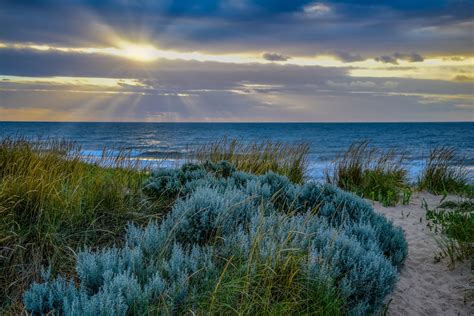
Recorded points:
(232, 242)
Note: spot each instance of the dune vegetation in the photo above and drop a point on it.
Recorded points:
(108, 237)
(444, 173)
(453, 222)
(371, 173)
(53, 203)
(259, 157)
(234, 242)
(240, 230)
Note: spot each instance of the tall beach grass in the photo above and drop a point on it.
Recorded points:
(444, 172)
(290, 160)
(371, 173)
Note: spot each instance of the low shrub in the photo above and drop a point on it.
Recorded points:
(371, 173)
(444, 173)
(237, 242)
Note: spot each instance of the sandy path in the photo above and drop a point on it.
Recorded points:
(426, 287)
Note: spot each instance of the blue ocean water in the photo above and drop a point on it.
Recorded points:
(174, 141)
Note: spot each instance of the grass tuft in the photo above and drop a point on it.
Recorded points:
(371, 173)
(444, 173)
(273, 288)
(259, 157)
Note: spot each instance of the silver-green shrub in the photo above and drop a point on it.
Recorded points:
(173, 265)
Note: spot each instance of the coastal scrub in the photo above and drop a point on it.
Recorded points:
(236, 242)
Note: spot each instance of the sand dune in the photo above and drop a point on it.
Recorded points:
(426, 287)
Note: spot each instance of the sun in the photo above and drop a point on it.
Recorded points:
(138, 52)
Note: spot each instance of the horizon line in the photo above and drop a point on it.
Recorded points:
(242, 122)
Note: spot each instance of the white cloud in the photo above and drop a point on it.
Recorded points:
(317, 8)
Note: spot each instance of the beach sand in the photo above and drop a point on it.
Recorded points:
(427, 287)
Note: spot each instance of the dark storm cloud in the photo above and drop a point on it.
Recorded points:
(275, 57)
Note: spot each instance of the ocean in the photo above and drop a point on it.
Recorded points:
(171, 143)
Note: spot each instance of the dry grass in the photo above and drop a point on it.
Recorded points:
(259, 157)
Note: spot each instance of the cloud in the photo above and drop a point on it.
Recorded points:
(292, 105)
(363, 84)
(463, 78)
(465, 106)
(334, 84)
(178, 72)
(275, 57)
(191, 90)
(413, 57)
(194, 91)
(352, 84)
(394, 58)
(317, 9)
(252, 25)
(348, 57)
(386, 60)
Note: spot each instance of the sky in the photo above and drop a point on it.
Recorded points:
(237, 60)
